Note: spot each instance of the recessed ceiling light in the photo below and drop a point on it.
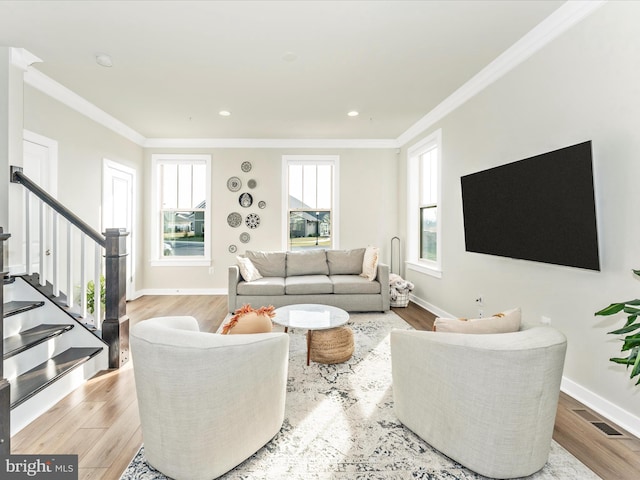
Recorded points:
(289, 57)
(224, 113)
(353, 113)
(104, 60)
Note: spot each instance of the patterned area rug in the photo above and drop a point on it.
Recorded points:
(339, 424)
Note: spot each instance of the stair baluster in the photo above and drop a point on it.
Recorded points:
(5, 388)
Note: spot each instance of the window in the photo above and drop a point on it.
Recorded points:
(423, 182)
(310, 201)
(181, 213)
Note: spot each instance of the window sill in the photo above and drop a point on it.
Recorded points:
(181, 262)
(422, 267)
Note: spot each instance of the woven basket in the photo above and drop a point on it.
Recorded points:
(334, 345)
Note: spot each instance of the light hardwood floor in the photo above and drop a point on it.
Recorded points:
(99, 421)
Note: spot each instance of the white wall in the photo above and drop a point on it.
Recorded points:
(368, 202)
(585, 85)
(82, 146)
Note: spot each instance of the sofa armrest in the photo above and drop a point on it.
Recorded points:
(234, 279)
(382, 276)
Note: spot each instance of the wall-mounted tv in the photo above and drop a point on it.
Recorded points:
(541, 208)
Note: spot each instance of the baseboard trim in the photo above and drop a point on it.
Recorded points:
(438, 312)
(604, 407)
(180, 291)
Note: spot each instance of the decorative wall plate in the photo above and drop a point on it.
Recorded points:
(233, 248)
(262, 204)
(234, 219)
(234, 184)
(252, 183)
(245, 237)
(246, 167)
(245, 200)
(252, 220)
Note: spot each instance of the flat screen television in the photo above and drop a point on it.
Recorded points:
(541, 209)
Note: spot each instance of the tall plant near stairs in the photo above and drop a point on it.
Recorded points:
(631, 332)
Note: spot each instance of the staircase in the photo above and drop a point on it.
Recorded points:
(47, 352)
(48, 348)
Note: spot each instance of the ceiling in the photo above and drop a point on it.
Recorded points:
(284, 69)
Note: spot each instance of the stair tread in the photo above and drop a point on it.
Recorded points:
(18, 306)
(31, 337)
(35, 380)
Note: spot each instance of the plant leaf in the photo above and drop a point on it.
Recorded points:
(611, 309)
(632, 341)
(637, 272)
(631, 310)
(630, 320)
(621, 361)
(626, 329)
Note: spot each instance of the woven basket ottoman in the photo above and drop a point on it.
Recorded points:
(334, 345)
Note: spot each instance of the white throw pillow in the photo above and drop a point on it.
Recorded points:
(370, 263)
(248, 271)
(504, 322)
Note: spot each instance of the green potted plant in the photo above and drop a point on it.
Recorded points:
(91, 288)
(631, 332)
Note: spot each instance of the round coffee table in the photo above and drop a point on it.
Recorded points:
(310, 317)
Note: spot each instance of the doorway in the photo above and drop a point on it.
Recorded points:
(118, 209)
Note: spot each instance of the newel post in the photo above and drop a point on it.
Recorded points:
(5, 388)
(115, 327)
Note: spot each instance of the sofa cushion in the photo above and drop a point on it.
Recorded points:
(370, 263)
(345, 262)
(308, 285)
(353, 284)
(269, 264)
(311, 262)
(264, 286)
(504, 322)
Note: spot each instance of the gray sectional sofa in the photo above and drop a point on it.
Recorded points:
(329, 277)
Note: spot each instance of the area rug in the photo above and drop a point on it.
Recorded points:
(339, 424)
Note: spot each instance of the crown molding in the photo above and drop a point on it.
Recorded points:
(47, 85)
(267, 143)
(555, 24)
(23, 58)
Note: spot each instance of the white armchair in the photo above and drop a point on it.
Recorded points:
(207, 402)
(486, 401)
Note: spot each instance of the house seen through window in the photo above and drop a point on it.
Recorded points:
(182, 191)
(310, 202)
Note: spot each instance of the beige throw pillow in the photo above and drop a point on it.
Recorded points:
(504, 322)
(370, 263)
(248, 271)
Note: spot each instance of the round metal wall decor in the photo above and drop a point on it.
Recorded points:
(233, 248)
(246, 167)
(262, 204)
(252, 220)
(245, 200)
(245, 237)
(252, 183)
(234, 184)
(234, 219)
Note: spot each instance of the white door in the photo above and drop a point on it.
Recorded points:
(118, 207)
(40, 164)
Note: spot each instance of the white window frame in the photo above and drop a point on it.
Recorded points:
(158, 260)
(414, 262)
(333, 160)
